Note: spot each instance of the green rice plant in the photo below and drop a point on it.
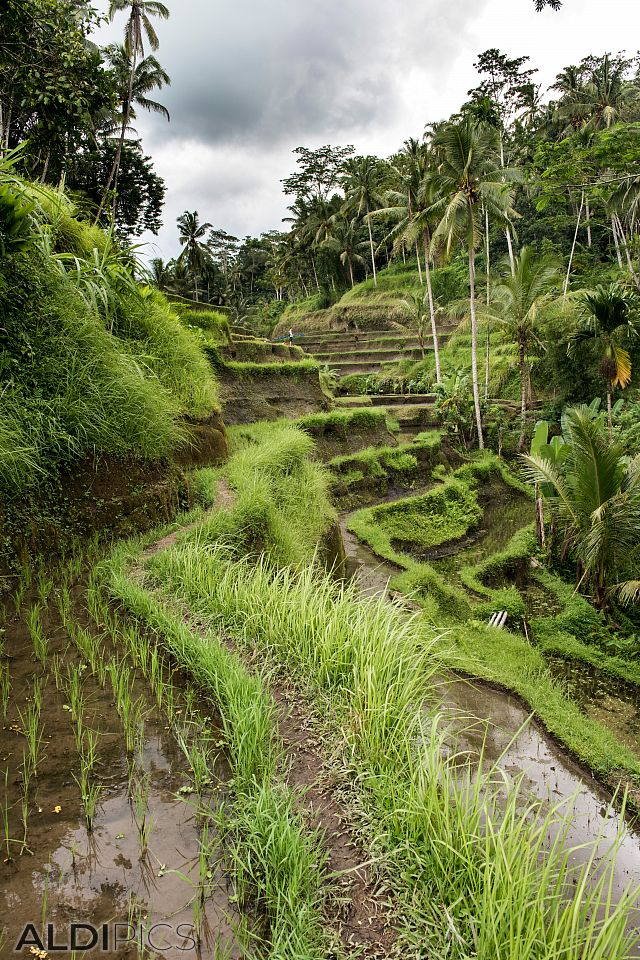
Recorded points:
(38, 636)
(45, 585)
(143, 822)
(77, 704)
(56, 669)
(373, 667)
(205, 879)
(65, 606)
(25, 790)
(89, 752)
(5, 687)
(199, 754)
(33, 733)
(6, 829)
(91, 792)
(18, 595)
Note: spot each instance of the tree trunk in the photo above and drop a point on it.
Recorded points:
(315, 274)
(432, 312)
(419, 264)
(625, 247)
(573, 249)
(614, 231)
(351, 274)
(487, 258)
(474, 345)
(511, 257)
(588, 216)
(609, 409)
(486, 253)
(373, 258)
(522, 366)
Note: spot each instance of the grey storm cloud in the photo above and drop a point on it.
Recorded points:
(265, 72)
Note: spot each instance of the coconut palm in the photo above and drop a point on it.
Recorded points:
(139, 24)
(148, 75)
(345, 239)
(520, 302)
(599, 98)
(607, 318)
(594, 496)
(468, 182)
(410, 202)
(363, 188)
(191, 237)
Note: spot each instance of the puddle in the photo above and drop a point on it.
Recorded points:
(104, 878)
(549, 774)
(613, 702)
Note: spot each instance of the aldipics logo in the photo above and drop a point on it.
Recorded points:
(79, 938)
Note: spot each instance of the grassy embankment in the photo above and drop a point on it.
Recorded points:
(467, 858)
(93, 364)
(462, 598)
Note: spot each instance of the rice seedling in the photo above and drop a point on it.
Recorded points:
(77, 702)
(90, 792)
(24, 802)
(143, 822)
(65, 606)
(6, 829)
(33, 733)
(18, 595)
(38, 636)
(5, 687)
(199, 754)
(45, 585)
(204, 883)
(89, 752)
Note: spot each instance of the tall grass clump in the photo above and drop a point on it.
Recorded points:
(91, 361)
(366, 656)
(282, 502)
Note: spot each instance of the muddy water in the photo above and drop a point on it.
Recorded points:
(494, 722)
(505, 733)
(67, 875)
(613, 702)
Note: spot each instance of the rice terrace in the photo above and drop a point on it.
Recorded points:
(320, 548)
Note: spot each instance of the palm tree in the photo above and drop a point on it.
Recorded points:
(595, 498)
(599, 98)
(148, 75)
(160, 273)
(411, 201)
(345, 239)
(520, 301)
(139, 24)
(362, 184)
(467, 182)
(607, 317)
(195, 250)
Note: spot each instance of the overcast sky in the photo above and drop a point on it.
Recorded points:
(252, 79)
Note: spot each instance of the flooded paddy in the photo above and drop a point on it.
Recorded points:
(104, 823)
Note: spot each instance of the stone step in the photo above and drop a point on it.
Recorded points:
(366, 356)
(403, 399)
(339, 346)
(342, 369)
